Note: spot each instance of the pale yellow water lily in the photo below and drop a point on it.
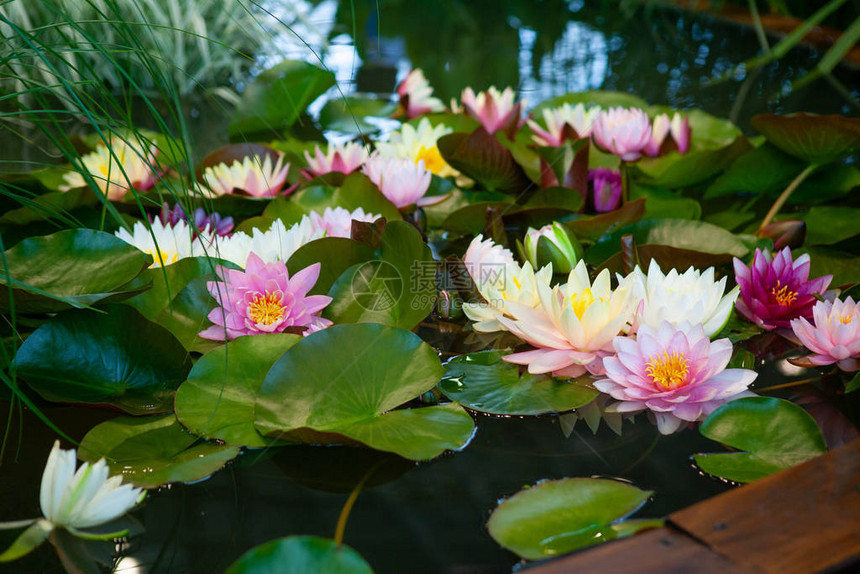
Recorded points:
(255, 176)
(573, 326)
(577, 118)
(116, 169)
(417, 144)
(166, 243)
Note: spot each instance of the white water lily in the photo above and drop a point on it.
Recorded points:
(277, 243)
(337, 222)
(419, 144)
(574, 325)
(85, 498)
(73, 500)
(692, 296)
(165, 243)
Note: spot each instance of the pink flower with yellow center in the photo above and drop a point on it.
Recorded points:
(835, 338)
(416, 96)
(494, 109)
(676, 373)
(623, 132)
(344, 158)
(264, 299)
(777, 289)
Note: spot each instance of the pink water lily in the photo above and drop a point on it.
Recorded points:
(402, 181)
(496, 110)
(777, 289)
(564, 123)
(661, 128)
(606, 185)
(337, 222)
(253, 175)
(835, 336)
(676, 373)
(264, 299)
(623, 132)
(416, 96)
(342, 158)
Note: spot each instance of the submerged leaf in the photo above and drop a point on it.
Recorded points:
(300, 555)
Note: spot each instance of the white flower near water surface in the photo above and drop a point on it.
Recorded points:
(166, 243)
(74, 500)
(693, 296)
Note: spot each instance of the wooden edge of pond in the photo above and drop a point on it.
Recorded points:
(803, 519)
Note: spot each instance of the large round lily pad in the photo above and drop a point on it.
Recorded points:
(814, 139)
(344, 382)
(117, 357)
(558, 516)
(217, 400)
(70, 268)
(151, 451)
(484, 382)
(776, 434)
(300, 555)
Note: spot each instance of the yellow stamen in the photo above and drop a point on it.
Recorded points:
(517, 283)
(782, 295)
(845, 319)
(433, 161)
(266, 309)
(668, 371)
(158, 257)
(581, 301)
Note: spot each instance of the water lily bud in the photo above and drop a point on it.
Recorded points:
(448, 305)
(785, 233)
(552, 244)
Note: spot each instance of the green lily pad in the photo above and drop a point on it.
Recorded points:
(485, 383)
(814, 139)
(706, 131)
(54, 204)
(676, 170)
(345, 381)
(166, 284)
(217, 400)
(347, 114)
(151, 451)
(188, 314)
(335, 255)
(558, 516)
(598, 225)
(680, 233)
(117, 357)
(70, 268)
(845, 267)
(397, 289)
(663, 204)
(471, 219)
(276, 98)
(300, 555)
(765, 169)
(483, 158)
(826, 225)
(776, 433)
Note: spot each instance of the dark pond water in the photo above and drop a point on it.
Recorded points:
(430, 517)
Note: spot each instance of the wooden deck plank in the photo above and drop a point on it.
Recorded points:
(803, 519)
(662, 550)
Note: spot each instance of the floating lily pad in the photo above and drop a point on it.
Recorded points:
(826, 225)
(117, 357)
(397, 289)
(776, 433)
(345, 381)
(188, 313)
(845, 267)
(680, 233)
(604, 98)
(151, 451)
(217, 400)
(348, 114)
(166, 283)
(676, 170)
(485, 383)
(765, 169)
(596, 226)
(558, 516)
(483, 158)
(300, 555)
(54, 204)
(814, 139)
(663, 204)
(335, 255)
(471, 219)
(276, 98)
(70, 268)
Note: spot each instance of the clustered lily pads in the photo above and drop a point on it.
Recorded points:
(607, 257)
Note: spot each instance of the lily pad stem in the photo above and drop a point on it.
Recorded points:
(783, 197)
(347, 506)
